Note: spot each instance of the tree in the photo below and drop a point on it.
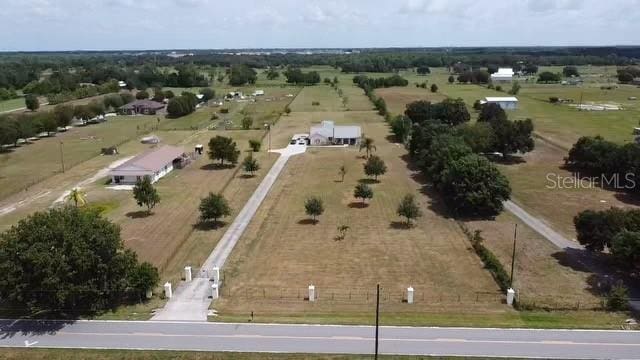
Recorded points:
(618, 297)
(207, 94)
(63, 114)
(409, 209)
(250, 164)
(142, 94)
(247, 122)
(473, 186)
(223, 148)
(314, 207)
(272, 74)
(570, 71)
(548, 77)
(434, 88)
(242, 74)
(597, 229)
(401, 128)
(213, 207)
(363, 191)
(255, 145)
(145, 194)
(77, 197)
(492, 112)
(625, 247)
(70, 261)
(375, 167)
(31, 102)
(158, 95)
(342, 172)
(479, 136)
(451, 79)
(515, 88)
(367, 144)
(423, 70)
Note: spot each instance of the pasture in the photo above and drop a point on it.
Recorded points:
(282, 251)
(326, 97)
(13, 104)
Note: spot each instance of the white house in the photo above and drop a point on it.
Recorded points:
(154, 163)
(503, 75)
(505, 102)
(327, 133)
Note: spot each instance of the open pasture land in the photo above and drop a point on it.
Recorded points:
(545, 189)
(30, 163)
(397, 97)
(282, 251)
(543, 277)
(326, 96)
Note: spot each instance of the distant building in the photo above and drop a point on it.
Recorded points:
(505, 102)
(154, 163)
(258, 93)
(141, 107)
(122, 84)
(327, 133)
(503, 75)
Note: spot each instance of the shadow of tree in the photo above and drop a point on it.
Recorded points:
(506, 160)
(246, 176)
(209, 225)
(140, 214)
(217, 166)
(400, 225)
(11, 328)
(307, 222)
(358, 205)
(368, 181)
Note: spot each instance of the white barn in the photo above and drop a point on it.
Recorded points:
(154, 163)
(503, 75)
(327, 133)
(505, 102)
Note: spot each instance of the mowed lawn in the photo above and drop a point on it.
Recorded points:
(398, 97)
(282, 252)
(12, 104)
(323, 94)
(39, 160)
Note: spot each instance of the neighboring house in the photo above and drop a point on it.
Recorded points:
(327, 133)
(503, 75)
(141, 107)
(154, 163)
(506, 102)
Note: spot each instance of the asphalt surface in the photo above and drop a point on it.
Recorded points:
(140, 335)
(191, 300)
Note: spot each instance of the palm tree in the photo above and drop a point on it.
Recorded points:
(367, 145)
(78, 197)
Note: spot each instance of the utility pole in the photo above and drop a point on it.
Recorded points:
(61, 157)
(377, 317)
(513, 255)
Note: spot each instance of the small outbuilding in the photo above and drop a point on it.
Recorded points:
(154, 163)
(327, 133)
(502, 75)
(505, 102)
(141, 107)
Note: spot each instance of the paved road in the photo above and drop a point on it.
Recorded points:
(191, 300)
(204, 336)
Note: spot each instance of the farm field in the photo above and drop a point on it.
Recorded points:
(282, 252)
(31, 163)
(397, 98)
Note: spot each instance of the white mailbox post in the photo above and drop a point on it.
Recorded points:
(149, 294)
(187, 273)
(312, 293)
(215, 276)
(167, 290)
(410, 295)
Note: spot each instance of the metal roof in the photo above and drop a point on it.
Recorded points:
(500, 98)
(150, 161)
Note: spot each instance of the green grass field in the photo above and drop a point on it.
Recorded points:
(8, 105)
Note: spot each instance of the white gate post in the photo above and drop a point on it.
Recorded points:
(214, 291)
(312, 293)
(410, 295)
(216, 275)
(149, 294)
(511, 294)
(167, 290)
(187, 273)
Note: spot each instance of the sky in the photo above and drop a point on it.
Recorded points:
(51, 25)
